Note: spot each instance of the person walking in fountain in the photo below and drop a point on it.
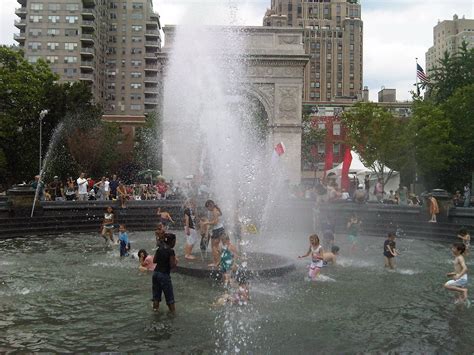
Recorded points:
(122, 194)
(459, 276)
(164, 217)
(434, 208)
(165, 260)
(390, 251)
(82, 187)
(317, 257)
(217, 230)
(353, 227)
(107, 229)
(190, 229)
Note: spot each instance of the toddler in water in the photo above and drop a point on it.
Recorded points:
(459, 282)
(229, 251)
(330, 257)
(241, 294)
(317, 260)
(390, 251)
(146, 261)
(123, 241)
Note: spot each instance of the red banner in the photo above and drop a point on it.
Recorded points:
(346, 164)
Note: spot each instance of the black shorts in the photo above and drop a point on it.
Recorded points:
(162, 284)
(388, 255)
(217, 233)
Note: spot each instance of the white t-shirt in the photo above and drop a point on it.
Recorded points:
(82, 186)
(106, 185)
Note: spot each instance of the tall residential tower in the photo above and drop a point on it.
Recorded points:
(333, 36)
(448, 36)
(110, 44)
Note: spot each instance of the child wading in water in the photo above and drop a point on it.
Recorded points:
(204, 232)
(165, 261)
(459, 281)
(229, 251)
(353, 227)
(317, 258)
(389, 251)
(108, 225)
(123, 240)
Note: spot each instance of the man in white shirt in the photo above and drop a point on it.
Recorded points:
(82, 187)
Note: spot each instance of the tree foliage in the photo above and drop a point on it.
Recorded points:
(379, 137)
(25, 90)
(442, 125)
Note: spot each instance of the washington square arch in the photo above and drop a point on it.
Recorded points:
(273, 76)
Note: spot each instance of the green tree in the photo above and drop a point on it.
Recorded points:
(379, 137)
(442, 126)
(452, 72)
(310, 138)
(23, 88)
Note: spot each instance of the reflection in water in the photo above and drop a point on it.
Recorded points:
(71, 293)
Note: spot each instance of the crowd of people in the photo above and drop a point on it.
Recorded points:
(112, 188)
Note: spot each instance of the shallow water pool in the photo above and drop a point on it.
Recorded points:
(72, 294)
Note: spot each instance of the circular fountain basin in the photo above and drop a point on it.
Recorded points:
(258, 265)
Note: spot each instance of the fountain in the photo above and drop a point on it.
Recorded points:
(221, 135)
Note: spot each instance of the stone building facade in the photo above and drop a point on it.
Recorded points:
(448, 36)
(333, 37)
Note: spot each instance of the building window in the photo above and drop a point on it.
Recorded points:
(72, 7)
(70, 46)
(136, 39)
(328, 85)
(351, 86)
(72, 19)
(34, 45)
(136, 50)
(135, 107)
(113, 16)
(54, 7)
(136, 74)
(70, 59)
(137, 28)
(33, 58)
(70, 32)
(321, 125)
(321, 148)
(35, 32)
(52, 59)
(336, 129)
(36, 18)
(70, 71)
(137, 5)
(136, 16)
(36, 6)
(135, 85)
(329, 56)
(339, 85)
(135, 97)
(328, 95)
(53, 46)
(54, 19)
(318, 95)
(136, 63)
(53, 32)
(336, 148)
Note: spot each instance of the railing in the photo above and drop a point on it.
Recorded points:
(87, 50)
(87, 36)
(88, 23)
(87, 63)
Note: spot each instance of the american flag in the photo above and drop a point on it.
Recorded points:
(421, 74)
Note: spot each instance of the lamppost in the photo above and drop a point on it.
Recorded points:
(41, 116)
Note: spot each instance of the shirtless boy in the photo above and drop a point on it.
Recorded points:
(459, 276)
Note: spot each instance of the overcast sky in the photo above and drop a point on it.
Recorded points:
(395, 31)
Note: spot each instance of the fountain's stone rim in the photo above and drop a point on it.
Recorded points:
(258, 265)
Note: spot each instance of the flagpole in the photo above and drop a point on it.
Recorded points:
(416, 78)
